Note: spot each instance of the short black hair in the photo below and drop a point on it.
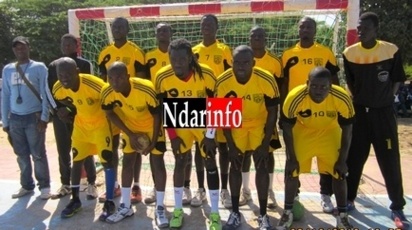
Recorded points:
(243, 49)
(213, 17)
(118, 66)
(307, 18)
(122, 19)
(320, 72)
(370, 16)
(69, 36)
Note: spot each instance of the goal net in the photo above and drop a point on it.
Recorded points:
(336, 22)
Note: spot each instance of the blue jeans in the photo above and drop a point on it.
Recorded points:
(27, 140)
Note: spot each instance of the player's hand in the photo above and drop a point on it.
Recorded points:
(134, 141)
(41, 126)
(64, 115)
(261, 155)
(291, 166)
(341, 169)
(235, 156)
(149, 149)
(209, 146)
(176, 143)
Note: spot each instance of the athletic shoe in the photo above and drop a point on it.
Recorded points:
(45, 193)
(214, 221)
(199, 197)
(21, 192)
(109, 208)
(264, 223)
(272, 204)
(351, 206)
(342, 221)
(117, 193)
(72, 208)
(326, 203)
(122, 212)
(233, 222)
(177, 219)
(187, 196)
(61, 192)
(160, 217)
(285, 221)
(91, 192)
(245, 196)
(400, 220)
(151, 197)
(136, 195)
(225, 198)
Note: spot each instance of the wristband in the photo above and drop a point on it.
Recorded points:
(210, 133)
(172, 133)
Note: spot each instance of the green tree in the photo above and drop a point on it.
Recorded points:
(395, 23)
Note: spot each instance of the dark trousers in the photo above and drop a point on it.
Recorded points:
(62, 134)
(379, 128)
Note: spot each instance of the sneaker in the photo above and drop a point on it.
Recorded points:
(72, 208)
(136, 195)
(214, 221)
(272, 204)
(285, 221)
(91, 192)
(45, 193)
(326, 203)
(226, 198)
(350, 206)
(187, 196)
(122, 212)
(342, 221)
(21, 192)
(160, 217)
(117, 193)
(245, 196)
(264, 223)
(400, 220)
(233, 222)
(199, 197)
(151, 197)
(109, 208)
(177, 219)
(61, 192)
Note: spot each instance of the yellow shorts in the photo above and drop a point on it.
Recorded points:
(322, 144)
(248, 139)
(189, 136)
(91, 142)
(159, 149)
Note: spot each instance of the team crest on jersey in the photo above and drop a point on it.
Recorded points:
(383, 76)
(90, 101)
(318, 61)
(126, 60)
(331, 114)
(217, 59)
(258, 98)
(201, 94)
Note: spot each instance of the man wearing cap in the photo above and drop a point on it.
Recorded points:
(25, 117)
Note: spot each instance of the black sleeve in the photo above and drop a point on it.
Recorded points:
(226, 65)
(333, 69)
(345, 121)
(269, 102)
(155, 110)
(397, 73)
(288, 120)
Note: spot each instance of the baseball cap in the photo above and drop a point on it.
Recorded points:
(20, 39)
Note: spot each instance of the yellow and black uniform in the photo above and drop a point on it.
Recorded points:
(259, 92)
(298, 62)
(155, 59)
(273, 65)
(135, 110)
(370, 75)
(168, 85)
(91, 129)
(130, 54)
(317, 131)
(218, 57)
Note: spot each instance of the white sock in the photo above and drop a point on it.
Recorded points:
(160, 196)
(245, 180)
(126, 196)
(136, 184)
(178, 197)
(116, 184)
(214, 200)
(270, 180)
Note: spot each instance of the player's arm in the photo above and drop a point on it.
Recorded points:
(141, 71)
(155, 111)
(289, 121)
(340, 166)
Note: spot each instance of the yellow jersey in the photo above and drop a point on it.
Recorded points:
(270, 63)
(217, 56)
(155, 60)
